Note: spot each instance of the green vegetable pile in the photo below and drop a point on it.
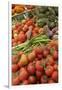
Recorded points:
(46, 15)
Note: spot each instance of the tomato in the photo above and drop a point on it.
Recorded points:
(36, 29)
(15, 67)
(50, 60)
(44, 79)
(55, 55)
(39, 66)
(16, 81)
(19, 28)
(25, 28)
(20, 53)
(17, 25)
(55, 67)
(29, 22)
(31, 68)
(25, 82)
(32, 79)
(34, 33)
(45, 53)
(50, 81)
(31, 56)
(39, 56)
(23, 74)
(49, 70)
(38, 50)
(55, 76)
(14, 59)
(22, 37)
(38, 74)
(14, 43)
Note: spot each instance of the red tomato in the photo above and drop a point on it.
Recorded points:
(38, 74)
(38, 50)
(55, 76)
(50, 81)
(15, 67)
(34, 33)
(36, 29)
(50, 60)
(19, 28)
(20, 53)
(39, 66)
(55, 67)
(25, 82)
(15, 81)
(39, 56)
(17, 25)
(32, 79)
(45, 53)
(31, 68)
(49, 70)
(25, 28)
(55, 55)
(44, 79)
(14, 44)
(14, 59)
(30, 22)
(22, 37)
(23, 74)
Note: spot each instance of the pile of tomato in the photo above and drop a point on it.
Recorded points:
(24, 30)
(39, 66)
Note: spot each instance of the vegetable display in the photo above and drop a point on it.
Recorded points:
(34, 44)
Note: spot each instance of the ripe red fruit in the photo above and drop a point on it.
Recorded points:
(14, 59)
(15, 81)
(25, 28)
(14, 67)
(50, 60)
(55, 55)
(31, 68)
(38, 74)
(32, 79)
(39, 66)
(49, 70)
(22, 37)
(55, 76)
(55, 67)
(50, 81)
(45, 53)
(39, 56)
(17, 25)
(25, 82)
(23, 74)
(20, 54)
(38, 50)
(44, 79)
